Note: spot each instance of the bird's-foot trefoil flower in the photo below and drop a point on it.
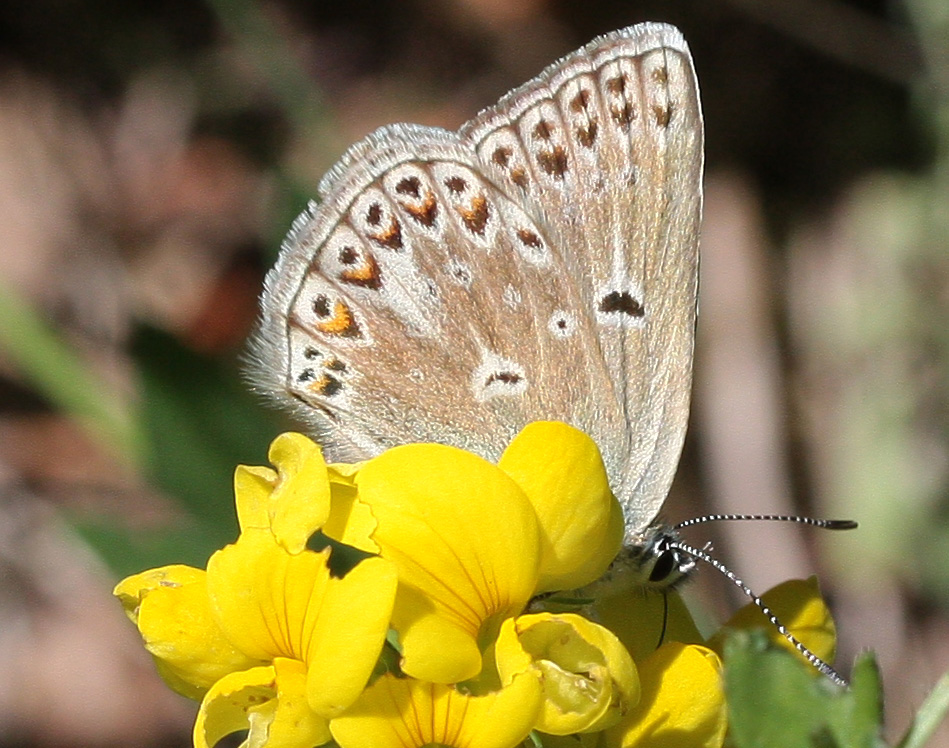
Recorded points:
(407, 601)
(268, 637)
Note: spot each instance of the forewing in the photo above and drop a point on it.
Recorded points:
(605, 151)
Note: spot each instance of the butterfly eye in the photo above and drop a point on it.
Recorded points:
(665, 564)
(662, 561)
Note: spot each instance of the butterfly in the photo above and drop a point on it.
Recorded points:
(541, 263)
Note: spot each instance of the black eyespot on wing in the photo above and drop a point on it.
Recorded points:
(409, 186)
(321, 306)
(504, 377)
(621, 302)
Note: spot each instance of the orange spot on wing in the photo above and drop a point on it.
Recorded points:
(475, 216)
(391, 238)
(425, 212)
(327, 385)
(366, 275)
(342, 322)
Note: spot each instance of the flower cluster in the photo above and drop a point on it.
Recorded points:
(389, 603)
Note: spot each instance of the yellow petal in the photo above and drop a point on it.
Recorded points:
(589, 679)
(270, 702)
(799, 606)
(300, 502)
(274, 604)
(226, 707)
(431, 643)
(253, 487)
(291, 502)
(463, 535)
(407, 713)
(638, 616)
(682, 703)
(562, 473)
(345, 472)
(350, 521)
(170, 606)
(295, 724)
(353, 622)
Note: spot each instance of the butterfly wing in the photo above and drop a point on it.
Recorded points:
(540, 264)
(605, 149)
(418, 303)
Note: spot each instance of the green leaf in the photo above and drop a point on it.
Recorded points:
(930, 715)
(777, 701)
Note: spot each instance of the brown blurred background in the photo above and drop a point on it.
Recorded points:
(152, 155)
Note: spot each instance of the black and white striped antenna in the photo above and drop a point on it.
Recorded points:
(672, 543)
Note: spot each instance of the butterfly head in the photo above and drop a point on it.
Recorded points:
(650, 560)
(655, 560)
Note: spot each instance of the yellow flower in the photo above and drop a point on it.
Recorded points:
(171, 608)
(474, 542)
(561, 471)
(454, 551)
(407, 713)
(273, 641)
(590, 681)
(682, 702)
(272, 604)
(799, 606)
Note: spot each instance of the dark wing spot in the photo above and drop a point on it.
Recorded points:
(348, 256)
(409, 186)
(543, 130)
(587, 135)
(562, 325)
(529, 239)
(501, 157)
(321, 306)
(505, 377)
(334, 364)
(660, 75)
(616, 85)
(307, 375)
(580, 102)
(374, 214)
(456, 184)
(663, 115)
(553, 162)
(311, 353)
(621, 302)
(623, 115)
